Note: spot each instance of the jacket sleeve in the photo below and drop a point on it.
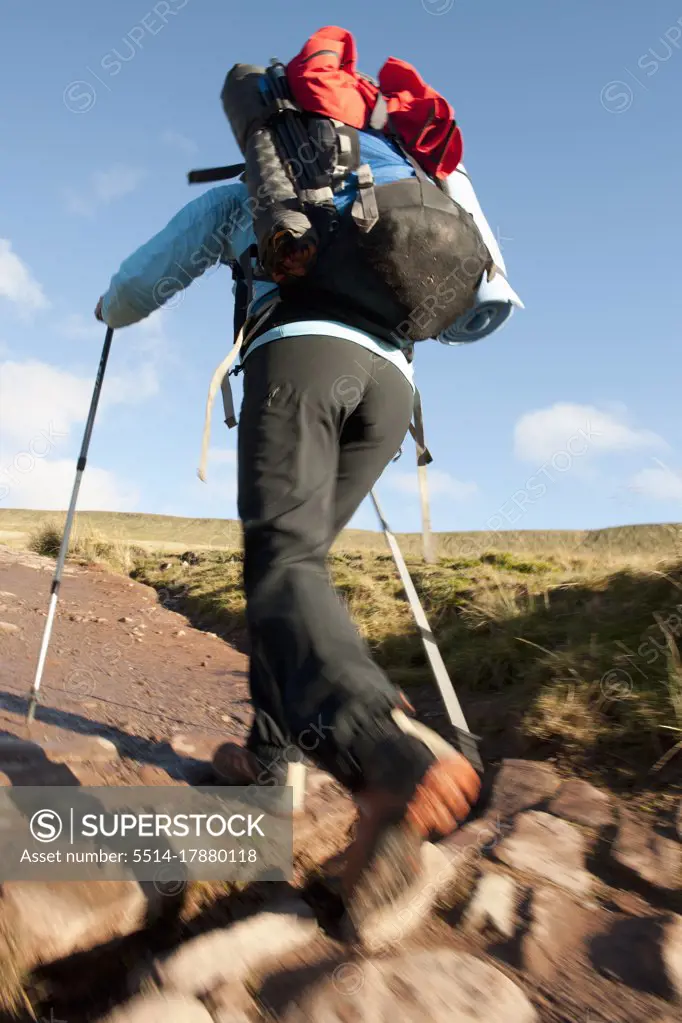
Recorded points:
(197, 237)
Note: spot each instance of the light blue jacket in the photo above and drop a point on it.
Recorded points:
(212, 229)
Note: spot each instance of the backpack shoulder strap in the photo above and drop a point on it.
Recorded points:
(241, 296)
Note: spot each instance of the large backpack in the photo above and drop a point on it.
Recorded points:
(344, 176)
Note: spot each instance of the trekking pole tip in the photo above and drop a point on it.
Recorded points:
(31, 712)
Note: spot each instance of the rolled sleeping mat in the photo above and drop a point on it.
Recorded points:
(495, 303)
(459, 187)
(496, 299)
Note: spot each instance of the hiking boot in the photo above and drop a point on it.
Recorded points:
(238, 766)
(384, 857)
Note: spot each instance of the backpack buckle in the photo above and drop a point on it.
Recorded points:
(365, 211)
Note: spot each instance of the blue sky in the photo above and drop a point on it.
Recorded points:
(566, 418)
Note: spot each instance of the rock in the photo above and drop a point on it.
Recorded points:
(198, 745)
(546, 847)
(79, 749)
(494, 905)
(230, 953)
(161, 1008)
(9, 629)
(231, 1003)
(477, 838)
(179, 632)
(440, 986)
(645, 953)
(557, 925)
(581, 803)
(522, 785)
(51, 920)
(646, 856)
(6, 595)
(149, 774)
(225, 1014)
(126, 620)
(316, 780)
(391, 925)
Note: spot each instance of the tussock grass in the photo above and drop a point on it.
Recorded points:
(561, 652)
(86, 547)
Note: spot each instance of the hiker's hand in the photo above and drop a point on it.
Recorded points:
(98, 310)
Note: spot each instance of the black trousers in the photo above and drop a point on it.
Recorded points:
(320, 420)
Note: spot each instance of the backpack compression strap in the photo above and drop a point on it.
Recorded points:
(220, 379)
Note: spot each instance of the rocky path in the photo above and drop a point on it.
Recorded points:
(557, 904)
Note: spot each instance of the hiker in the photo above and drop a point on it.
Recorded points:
(328, 399)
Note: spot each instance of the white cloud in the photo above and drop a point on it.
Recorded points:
(131, 387)
(179, 141)
(578, 429)
(17, 283)
(41, 403)
(104, 188)
(37, 399)
(39, 407)
(441, 484)
(660, 484)
(47, 484)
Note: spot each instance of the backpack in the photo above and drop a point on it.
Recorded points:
(344, 177)
(352, 220)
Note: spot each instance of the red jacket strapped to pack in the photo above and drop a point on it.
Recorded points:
(323, 80)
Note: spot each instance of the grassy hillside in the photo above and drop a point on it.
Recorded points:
(559, 643)
(166, 532)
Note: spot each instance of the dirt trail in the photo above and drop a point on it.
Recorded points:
(572, 910)
(119, 665)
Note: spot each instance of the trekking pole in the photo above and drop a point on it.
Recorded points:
(436, 662)
(63, 549)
